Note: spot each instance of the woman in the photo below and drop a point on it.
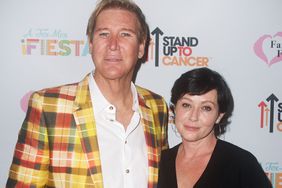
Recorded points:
(202, 104)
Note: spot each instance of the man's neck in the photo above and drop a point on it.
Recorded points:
(117, 92)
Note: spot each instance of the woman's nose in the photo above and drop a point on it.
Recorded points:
(194, 114)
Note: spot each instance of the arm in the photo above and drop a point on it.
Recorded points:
(31, 156)
(253, 175)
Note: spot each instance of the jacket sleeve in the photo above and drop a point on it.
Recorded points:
(30, 163)
(164, 127)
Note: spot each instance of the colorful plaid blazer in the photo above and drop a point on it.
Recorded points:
(57, 144)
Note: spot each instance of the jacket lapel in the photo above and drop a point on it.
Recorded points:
(84, 118)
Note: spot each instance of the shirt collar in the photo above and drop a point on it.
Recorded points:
(101, 103)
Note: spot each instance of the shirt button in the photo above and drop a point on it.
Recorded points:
(125, 142)
(111, 108)
(127, 171)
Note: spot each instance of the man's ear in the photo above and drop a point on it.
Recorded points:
(141, 50)
(90, 47)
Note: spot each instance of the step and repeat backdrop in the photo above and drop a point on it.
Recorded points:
(43, 44)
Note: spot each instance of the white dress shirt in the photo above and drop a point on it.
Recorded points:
(123, 153)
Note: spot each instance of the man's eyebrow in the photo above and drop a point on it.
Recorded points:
(128, 29)
(122, 29)
(100, 29)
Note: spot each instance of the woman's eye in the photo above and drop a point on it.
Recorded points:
(207, 108)
(186, 105)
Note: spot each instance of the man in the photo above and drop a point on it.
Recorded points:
(103, 131)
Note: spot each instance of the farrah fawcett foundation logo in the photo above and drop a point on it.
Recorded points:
(269, 48)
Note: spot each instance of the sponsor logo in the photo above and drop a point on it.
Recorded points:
(170, 50)
(24, 101)
(269, 48)
(271, 114)
(274, 172)
(46, 42)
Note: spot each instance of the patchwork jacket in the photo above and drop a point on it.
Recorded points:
(57, 145)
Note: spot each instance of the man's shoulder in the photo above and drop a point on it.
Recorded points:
(65, 91)
(148, 94)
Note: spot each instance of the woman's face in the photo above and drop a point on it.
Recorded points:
(195, 116)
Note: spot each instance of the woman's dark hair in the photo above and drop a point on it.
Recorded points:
(200, 81)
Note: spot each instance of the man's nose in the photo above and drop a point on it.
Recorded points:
(114, 44)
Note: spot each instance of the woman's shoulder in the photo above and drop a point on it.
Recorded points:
(170, 153)
(235, 159)
(233, 151)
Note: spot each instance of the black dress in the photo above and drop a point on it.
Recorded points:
(228, 167)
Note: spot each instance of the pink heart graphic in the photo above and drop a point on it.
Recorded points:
(24, 101)
(258, 48)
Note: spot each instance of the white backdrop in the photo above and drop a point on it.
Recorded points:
(43, 44)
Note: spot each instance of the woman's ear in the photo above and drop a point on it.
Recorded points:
(219, 118)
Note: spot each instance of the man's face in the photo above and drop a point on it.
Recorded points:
(115, 48)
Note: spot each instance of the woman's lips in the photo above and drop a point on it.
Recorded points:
(191, 128)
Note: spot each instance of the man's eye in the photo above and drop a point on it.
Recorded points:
(103, 34)
(125, 34)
